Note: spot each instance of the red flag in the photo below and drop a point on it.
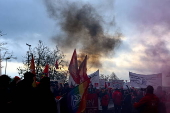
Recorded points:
(32, 65)
(83, 70)
(56, 64)
(32, 69)
(46, 70)
(73, 68)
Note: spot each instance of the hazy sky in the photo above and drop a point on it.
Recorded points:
(144, 46)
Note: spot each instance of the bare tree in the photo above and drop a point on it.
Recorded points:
(106, 77)
(4, 53)
(113, 76)
(42, 56)
(109, 77)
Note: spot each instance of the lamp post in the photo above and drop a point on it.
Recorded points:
(6, 64)
(28, 53)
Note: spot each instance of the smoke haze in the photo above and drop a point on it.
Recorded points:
(82, 27)
(153, 17)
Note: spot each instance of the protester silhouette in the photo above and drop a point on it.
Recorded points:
(63, 102)
(127, 108)
(13, 84)
(24, 95)
(45, 99)
(149, 103)
(5, 97)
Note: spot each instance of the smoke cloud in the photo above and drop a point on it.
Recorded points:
(153, 17)
(152, 13)
(82, 27)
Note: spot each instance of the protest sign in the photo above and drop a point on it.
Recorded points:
(102, 83)
(142, 81)
(117, 84)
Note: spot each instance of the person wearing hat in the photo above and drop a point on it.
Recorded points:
(17, 79)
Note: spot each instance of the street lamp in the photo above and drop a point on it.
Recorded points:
(6, 64)
(28, 53)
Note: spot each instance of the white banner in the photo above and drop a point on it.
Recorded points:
(117, 84)
(102, 83)
(95, 79)
(142, 81)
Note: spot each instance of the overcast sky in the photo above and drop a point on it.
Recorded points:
(144, 46)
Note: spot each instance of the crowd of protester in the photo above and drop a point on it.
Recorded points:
(129, 100)
(20, 96)
(134, 100)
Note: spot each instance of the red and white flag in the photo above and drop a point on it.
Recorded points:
(73, 68)
(83, 70)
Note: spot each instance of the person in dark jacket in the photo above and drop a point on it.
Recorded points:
(127, 106)
(63, 101)
(24, 95)
(13, 84)
(5, 96)
(45, 99)
(149, 103)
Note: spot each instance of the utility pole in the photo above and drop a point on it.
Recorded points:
(28, 54)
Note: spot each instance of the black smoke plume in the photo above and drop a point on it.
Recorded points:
(82, 27)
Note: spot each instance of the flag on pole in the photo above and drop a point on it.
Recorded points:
(46, 70)
(83, 70)
(32, 65)
(77, 98)
(73, 68)
(56, 65)
(32, 69)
